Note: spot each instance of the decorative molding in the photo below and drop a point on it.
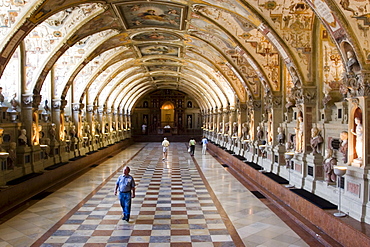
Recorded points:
(27, 100)
(75, 106)
(90, 108)
(36, 100)
(63, 104)
(56, 103)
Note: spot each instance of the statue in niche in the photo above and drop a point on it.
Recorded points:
(88, 131)
(189, 122)
(220, 129)
(351, 62)
(12, 159)
(22, 138)
(359, 137)
(36, 133)
(227, 127)
(280, 136)
(259, 133)
(46, 111)
(316, 140)
(46, 107)
(299, 130)
(98, 129)
(329, 163)
(235, 129)
(52, 132)
(245, 131)
(344, 145)
(73, 132)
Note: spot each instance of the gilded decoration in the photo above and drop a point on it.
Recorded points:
(358, 12)
(268, 55)
(294, 23)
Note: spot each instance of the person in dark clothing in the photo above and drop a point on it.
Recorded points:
(192, 143)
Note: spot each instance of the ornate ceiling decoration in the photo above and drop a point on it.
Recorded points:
(224, 51)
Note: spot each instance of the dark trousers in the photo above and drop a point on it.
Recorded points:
(192, 149)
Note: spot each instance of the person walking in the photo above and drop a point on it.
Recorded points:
(192, 143)
(125, 185)
(204, 145)
(165, 145)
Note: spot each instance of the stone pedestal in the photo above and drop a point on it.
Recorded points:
(82, 149)
(244, 148)
(234, 145)
(74, 147)
(255, 152)
(55, 151)
(267, 158)
(357, 163)
(227, 142)
(313, 171)
(38, 158)
(64, 154)
(24, 159)
(105, 139)
(279, 159)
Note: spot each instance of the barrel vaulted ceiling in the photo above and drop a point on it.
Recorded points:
(221, 52)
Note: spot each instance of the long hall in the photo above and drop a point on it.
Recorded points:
(183, 201)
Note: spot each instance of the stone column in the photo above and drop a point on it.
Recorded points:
(232, 119)
(257, 116)
(225, 119)
(90, 116)
(56, 117)
(76, 115)
(129, 131)
(242, 117)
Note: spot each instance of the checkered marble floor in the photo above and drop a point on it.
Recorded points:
(184, 201)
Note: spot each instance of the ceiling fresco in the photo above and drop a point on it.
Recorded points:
(226, 52)
(141, 14)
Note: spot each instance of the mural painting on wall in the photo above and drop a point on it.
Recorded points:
(144, 14)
